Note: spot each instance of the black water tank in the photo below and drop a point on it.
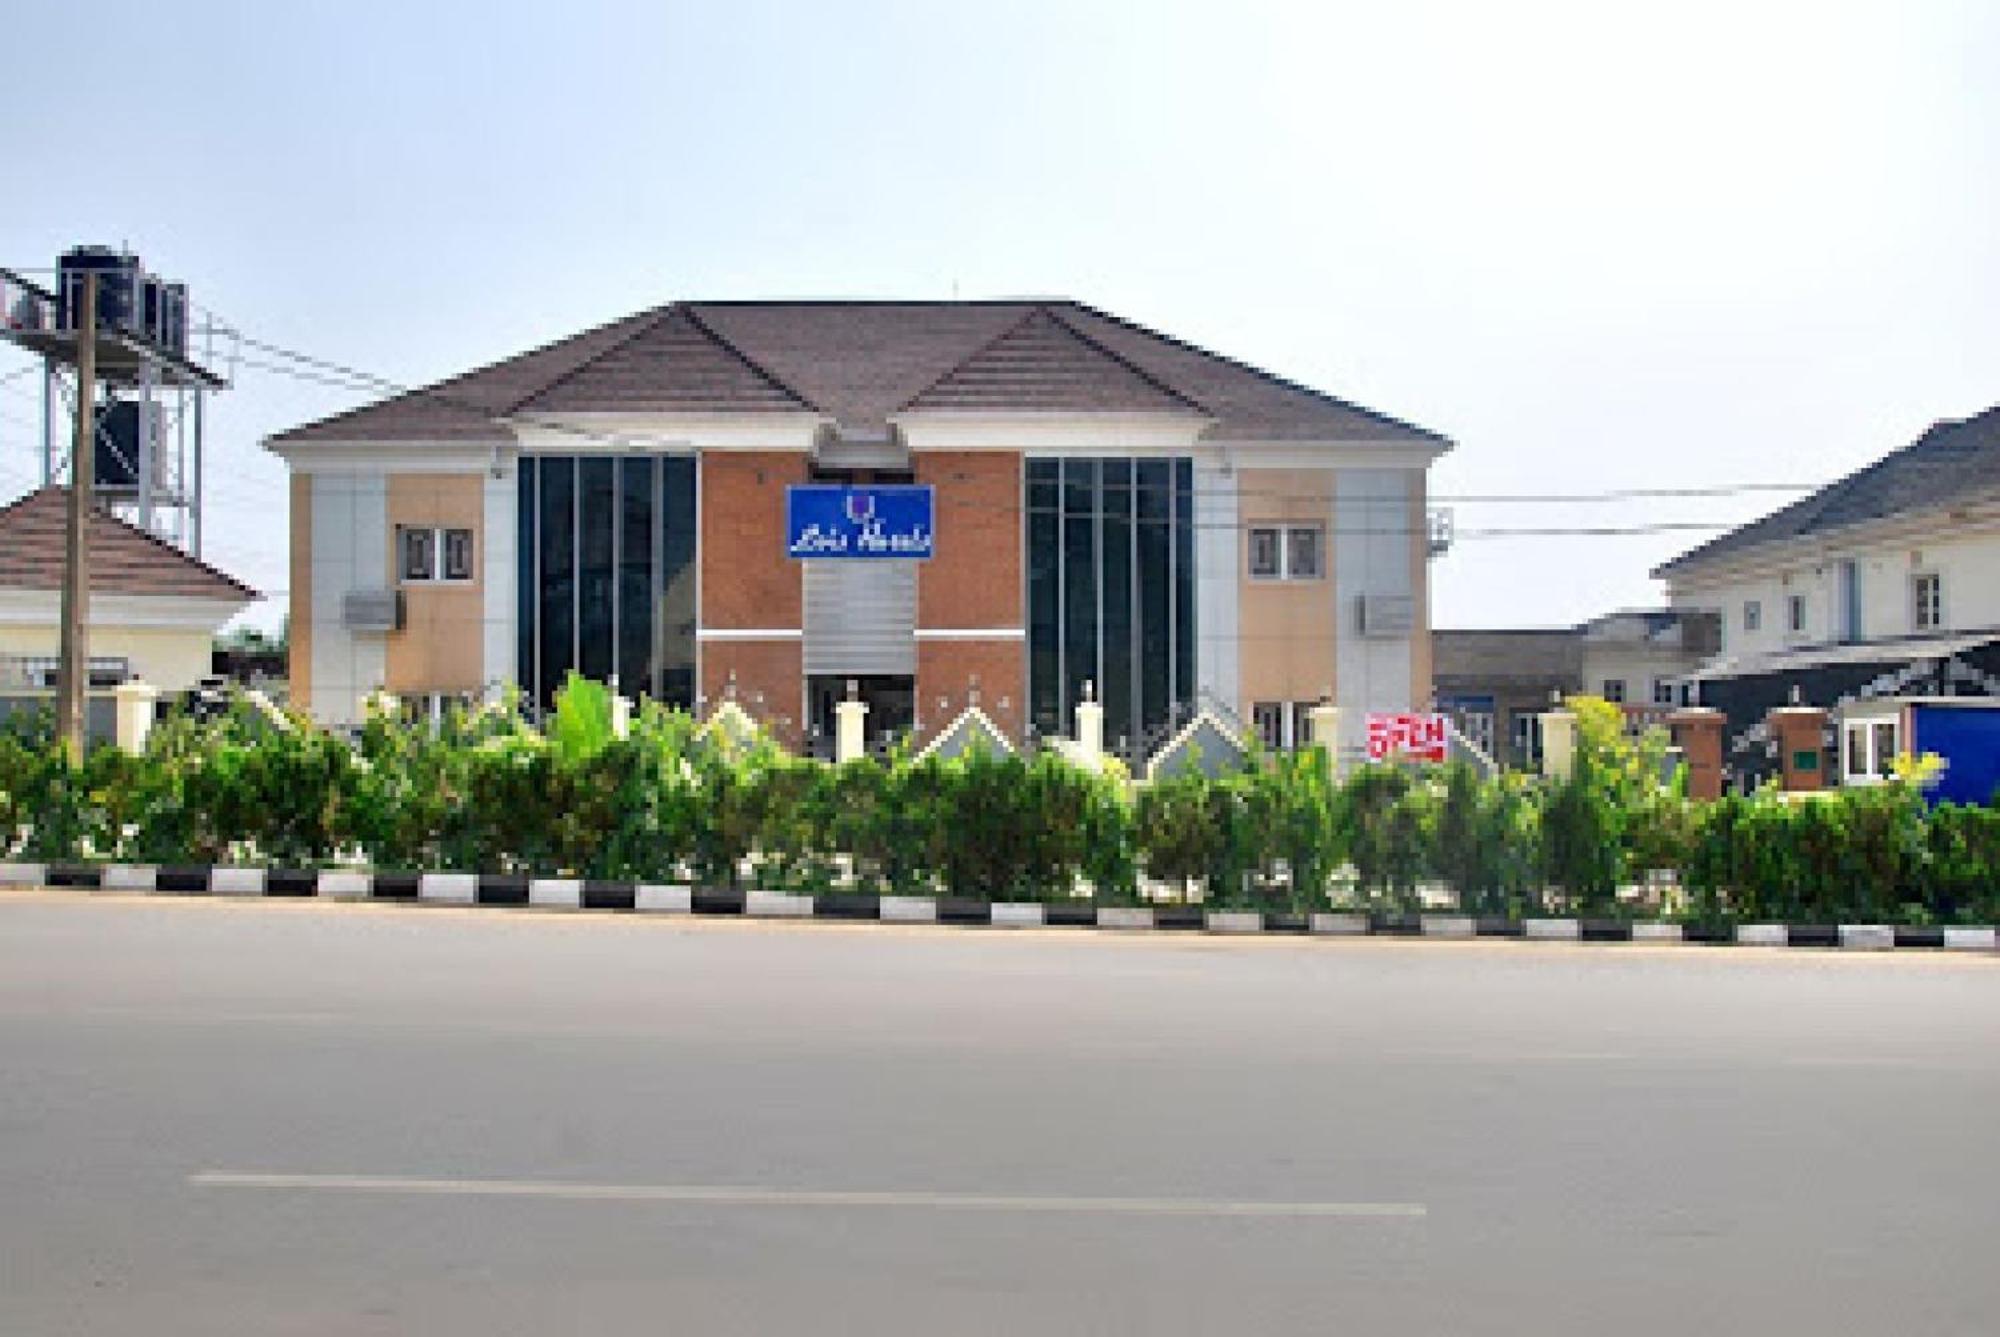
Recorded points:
(118, 284)
(116, 459)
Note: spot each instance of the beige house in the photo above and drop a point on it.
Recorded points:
(1100, 504)
(154, 610)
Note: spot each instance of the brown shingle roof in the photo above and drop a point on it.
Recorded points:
(123, 558)
(860, 362)
(1043, 360)
(1951, 460)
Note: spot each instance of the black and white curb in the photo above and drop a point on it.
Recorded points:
(553, 893)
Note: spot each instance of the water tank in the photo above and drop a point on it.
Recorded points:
(115, 461)
(118, 287)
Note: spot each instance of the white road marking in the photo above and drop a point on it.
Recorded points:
(741, 1196)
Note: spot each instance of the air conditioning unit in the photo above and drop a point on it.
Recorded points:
(372, 610)
(1387, 615)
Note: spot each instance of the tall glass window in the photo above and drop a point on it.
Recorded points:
(1110, 592)
(607, 574)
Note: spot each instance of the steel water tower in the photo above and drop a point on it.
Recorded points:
(158, 358)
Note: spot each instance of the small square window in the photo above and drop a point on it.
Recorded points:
(1753, 614)
(1302, 553)
(417, 549)
(457, 554)
(1663, 691)
(1614, 689)
(1266, 555)
(1302, 727)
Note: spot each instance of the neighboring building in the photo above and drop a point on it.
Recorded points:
(1106, 504)
(154, 610)
(1885, 583)
(1495, 684)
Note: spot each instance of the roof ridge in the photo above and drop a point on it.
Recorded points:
(1260, 373)
(757, 368)
(1127, 363)
(650, 320)
(953, 370)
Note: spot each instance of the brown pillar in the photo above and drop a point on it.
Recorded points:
(1697, 732)
(1800, 733)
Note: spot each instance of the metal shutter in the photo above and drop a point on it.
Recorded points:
(861, 617)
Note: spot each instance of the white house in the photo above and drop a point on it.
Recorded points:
(154, 610)
(1886, 582)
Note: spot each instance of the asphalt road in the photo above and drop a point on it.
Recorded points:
(288, 1118)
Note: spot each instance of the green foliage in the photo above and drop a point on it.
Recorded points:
(668, 801)
(1386, 822)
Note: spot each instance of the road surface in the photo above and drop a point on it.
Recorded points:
(273, 1117)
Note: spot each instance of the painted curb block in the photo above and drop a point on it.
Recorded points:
(1971, 939)
(131, 877)
(1339, 925)
(24, 874)
(1867, 937)
(1658, 933)
(654, 898)
(1125, 916)
(555, 893)
(236, 881)
(1449, 926)
(908, 910)
(1018, 914)
(777, 905)
(1762, 935)
(345, 886)
(1235, 921)
(1552, 930)
(449, 888)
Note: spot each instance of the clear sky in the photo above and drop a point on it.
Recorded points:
(1599, 245)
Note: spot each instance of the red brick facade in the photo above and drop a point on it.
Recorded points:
(747, 584)
(973, 583)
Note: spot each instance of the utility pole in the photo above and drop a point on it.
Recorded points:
(73, 676)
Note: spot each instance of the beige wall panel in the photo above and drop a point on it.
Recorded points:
(1287, 628)
(441, 647)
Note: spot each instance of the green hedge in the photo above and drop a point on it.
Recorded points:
(670, 801)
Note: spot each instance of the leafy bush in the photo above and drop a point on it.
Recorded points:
(664, 800)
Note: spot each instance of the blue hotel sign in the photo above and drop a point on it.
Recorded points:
(832, 521)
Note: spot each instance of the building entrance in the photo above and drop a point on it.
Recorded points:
(891, 699)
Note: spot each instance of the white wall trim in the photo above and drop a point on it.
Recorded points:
(972, 633)
(938, 429)
(31, 608)
(619, 433)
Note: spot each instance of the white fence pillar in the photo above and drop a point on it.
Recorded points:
(135, 703)
(1558, 743)
(850, 726)
(1089, 727)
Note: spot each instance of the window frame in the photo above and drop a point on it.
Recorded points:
(1665, 693)
(437, 540)
(1283, 534)
(1919, 604)
(1613, 690)
(1753, 615)
(1795, 615)
(1277, 565)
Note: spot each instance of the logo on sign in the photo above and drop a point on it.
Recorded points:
(1410, 736)
(823, 521)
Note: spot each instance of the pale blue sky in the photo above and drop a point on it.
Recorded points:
(1601, 249)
